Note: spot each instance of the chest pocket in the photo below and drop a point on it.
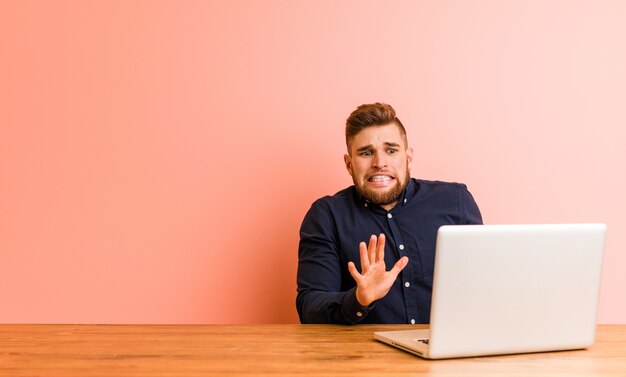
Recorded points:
(426, 255)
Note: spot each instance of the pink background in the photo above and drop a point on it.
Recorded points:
(157, 157)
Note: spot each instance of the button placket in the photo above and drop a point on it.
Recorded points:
(407, 275)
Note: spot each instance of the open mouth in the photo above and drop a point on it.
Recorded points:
(380, 179)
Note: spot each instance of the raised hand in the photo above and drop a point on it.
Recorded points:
(374, 281)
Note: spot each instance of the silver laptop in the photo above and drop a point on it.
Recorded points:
(504, 289)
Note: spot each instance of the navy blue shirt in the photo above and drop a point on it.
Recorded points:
(335, 225)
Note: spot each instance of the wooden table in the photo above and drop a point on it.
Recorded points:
(227, 350)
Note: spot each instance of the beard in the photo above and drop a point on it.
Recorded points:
(383, 198)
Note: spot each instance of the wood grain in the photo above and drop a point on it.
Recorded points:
(231, 350)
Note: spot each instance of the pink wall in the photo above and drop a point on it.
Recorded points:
(157, 157)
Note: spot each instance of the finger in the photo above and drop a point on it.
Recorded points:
(371, 249)
(354, 272)
(399, 266)
(365, 261)
(380, 249)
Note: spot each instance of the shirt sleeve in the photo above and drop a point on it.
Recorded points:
(320, 272)
(469, 212)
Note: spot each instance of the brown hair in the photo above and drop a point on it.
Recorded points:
(373, 114)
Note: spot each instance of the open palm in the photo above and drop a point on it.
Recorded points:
(374, 281)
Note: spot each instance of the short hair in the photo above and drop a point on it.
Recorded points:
(368, 115)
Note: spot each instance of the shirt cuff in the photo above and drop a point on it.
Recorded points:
(352, 310)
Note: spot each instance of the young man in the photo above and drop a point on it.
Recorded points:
(386, 219)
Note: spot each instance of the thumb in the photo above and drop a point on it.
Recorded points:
(354, 272)
(399, 266)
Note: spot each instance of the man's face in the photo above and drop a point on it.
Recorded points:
(379, 163)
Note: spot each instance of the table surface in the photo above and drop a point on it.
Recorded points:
(316, 350)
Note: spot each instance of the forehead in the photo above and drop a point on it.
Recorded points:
(376, 136)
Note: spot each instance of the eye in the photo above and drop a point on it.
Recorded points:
(365, 153)
(391, 151)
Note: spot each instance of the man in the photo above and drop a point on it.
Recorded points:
(385, 219)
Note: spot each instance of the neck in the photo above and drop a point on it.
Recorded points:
(388, 207)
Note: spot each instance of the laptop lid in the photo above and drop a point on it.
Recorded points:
(501, 289)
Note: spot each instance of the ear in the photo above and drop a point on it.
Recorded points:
(409, 157)
(348, 161)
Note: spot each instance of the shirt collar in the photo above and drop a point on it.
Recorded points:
(408, 193)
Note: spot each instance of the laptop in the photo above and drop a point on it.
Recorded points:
(506, 289)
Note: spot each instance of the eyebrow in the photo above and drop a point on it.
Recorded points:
(370, 146)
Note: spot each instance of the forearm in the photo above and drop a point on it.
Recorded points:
(316, 306)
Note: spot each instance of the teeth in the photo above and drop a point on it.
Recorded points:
(380, 178)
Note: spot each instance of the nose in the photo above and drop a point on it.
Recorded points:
(380, 160)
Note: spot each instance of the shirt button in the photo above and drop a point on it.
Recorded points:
(407, 284)
(389, 215)
(359, 314)
(401, 247)
(412, 321)
(405, 200)
(365, 204)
